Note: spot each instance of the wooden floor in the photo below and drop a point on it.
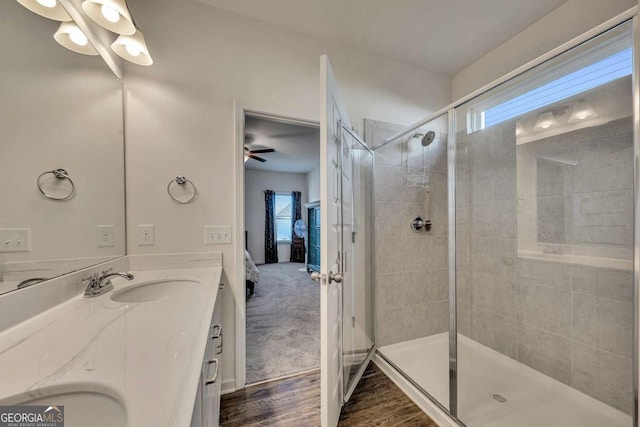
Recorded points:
(295, 402)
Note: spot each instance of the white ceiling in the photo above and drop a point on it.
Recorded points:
(297, 147)
(439, 35)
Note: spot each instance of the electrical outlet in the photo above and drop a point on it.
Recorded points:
(217, 235)
(15, 240)
(106, 236)
(145, 235)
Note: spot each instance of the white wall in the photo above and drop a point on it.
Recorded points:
(58, 109)
(180, 115)
(313, 184)
(561, 25)
(255, 182)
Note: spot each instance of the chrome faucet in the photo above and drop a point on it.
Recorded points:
(99, 284)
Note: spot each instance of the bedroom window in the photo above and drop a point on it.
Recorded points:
(283, 217)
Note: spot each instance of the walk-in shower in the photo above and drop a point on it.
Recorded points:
(518, 306)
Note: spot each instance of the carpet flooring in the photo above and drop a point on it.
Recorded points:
(283, 323)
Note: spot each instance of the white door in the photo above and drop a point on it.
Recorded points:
(332, 115)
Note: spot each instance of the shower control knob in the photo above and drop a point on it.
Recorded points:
(315, 276)
(418, 224)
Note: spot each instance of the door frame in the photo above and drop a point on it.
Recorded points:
(240, 112)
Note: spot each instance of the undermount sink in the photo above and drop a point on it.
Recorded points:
(152, 291)
(81, 408)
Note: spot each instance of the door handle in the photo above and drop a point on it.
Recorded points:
(315, 276)
(214, 378)
(221, 346)
(335, 277)
(217, 331)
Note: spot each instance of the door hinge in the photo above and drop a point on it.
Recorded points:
(353, 237)
(353, 319)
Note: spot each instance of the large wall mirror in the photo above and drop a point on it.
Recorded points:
(61, 125)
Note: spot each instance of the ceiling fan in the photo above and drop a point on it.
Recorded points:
(251, 154)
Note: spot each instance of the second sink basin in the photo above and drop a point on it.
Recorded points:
(152, 291)
(81, 407)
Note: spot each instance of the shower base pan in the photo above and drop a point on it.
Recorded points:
(495, 390)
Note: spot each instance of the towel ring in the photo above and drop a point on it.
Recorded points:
(181, 180)
(59, 174)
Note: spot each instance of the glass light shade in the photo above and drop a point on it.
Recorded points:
(545, 121)
(49, 9)
(519, 129)
(110, 14)
(71, 36)
(133, 49)
(582, 111)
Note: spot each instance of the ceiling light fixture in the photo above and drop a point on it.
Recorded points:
(582, 110)
(71, 36)
(519, 129)
(110, 14)
(133, 48)
(48, 8)
(545, 121)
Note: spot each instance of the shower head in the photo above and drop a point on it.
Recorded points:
(428, 138)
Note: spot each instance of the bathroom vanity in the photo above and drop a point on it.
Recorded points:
(146, 353)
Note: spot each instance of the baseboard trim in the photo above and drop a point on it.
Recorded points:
(427, 406)
(228, 386)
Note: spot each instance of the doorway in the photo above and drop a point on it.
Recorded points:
(281, 178)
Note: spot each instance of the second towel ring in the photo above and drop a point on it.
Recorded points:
(181, 180)
(60, 174)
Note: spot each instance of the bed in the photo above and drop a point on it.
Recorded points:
(251, 273)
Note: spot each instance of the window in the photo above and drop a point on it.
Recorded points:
(589, 77)
(590, 67)
(283, 217)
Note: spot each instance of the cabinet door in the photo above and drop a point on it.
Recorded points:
(211, 394)
(196, 417)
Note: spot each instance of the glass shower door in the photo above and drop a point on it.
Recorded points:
(544, 180)
(357, 289)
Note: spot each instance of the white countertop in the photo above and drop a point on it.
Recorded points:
(146, 355)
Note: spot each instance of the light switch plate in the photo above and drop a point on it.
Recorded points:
(145, 235)
(15, 240)
(217, 235)
(105, 235)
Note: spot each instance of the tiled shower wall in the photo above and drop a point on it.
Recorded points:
(569, 321)
(411, 269)
(582, 190)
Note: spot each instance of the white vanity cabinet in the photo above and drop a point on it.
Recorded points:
(206, 411)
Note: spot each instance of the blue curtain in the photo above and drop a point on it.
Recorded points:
(297, 244)
(270, 245)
